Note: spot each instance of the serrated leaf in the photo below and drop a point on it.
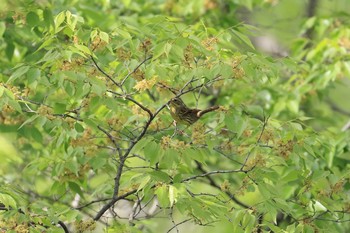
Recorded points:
(93, 34)
(18, 73)
(153, 152)
(36, 134)
(160, 176)
(59, 19)
(8, 201)
(15, 105)
(33, 75)
(29, 120)
(141, 144)
(143, 183)
(83, 49)
(159, 50)
(46, 43)
(245, 39)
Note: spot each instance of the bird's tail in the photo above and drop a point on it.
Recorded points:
(201, 113)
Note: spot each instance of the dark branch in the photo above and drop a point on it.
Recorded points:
(65, 228)
(214, 184)
(134, 142)
(212, 173)
(112, 139)
(134, 70)
(132, 100)
(92, 202)
(266, 119)
(104, 73)
(177, 224)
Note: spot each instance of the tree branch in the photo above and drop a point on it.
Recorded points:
(64, 227)
(134, 70)
(112, 139)
(104, 73)
(266, 119)
(134, 142)
(212, 173)
(177, 224)
(214, 184)
(134, 101)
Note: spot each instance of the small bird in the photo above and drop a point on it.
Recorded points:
(184, 115)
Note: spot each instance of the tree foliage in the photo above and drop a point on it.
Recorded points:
(89, 144)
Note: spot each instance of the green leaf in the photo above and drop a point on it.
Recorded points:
(36, 134)
(177, 52)
(75, 188)
(32, 19)
(2, 28)
(2, 89)
(33, 75)
(177, 178)
(46, 43)
(29, 120)
(170, 158)
(145, 180)
(142, 143)
(59, 19)
(162, 195)
(78, 127)
(159, 50)
(98, 87)
(15, 105)
(236, 124)
(245, 39)
(264, 191)
(83, 49)
(93, 34)
(248, 221)
(160, 176)
(153, 152)
(10, 49)
(59, 108)
(97, 162)
(104, 36)
(18, 73)
(48, 18)
(8, 201)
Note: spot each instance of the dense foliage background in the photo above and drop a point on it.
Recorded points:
(88, 144)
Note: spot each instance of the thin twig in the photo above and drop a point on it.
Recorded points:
(152, 116)
(112, 139)
(177, 224)
(104, 73)
(214, 184)
(257, 142)
(132, 100)
(212, 173)
(92, 202)
(134, 70)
